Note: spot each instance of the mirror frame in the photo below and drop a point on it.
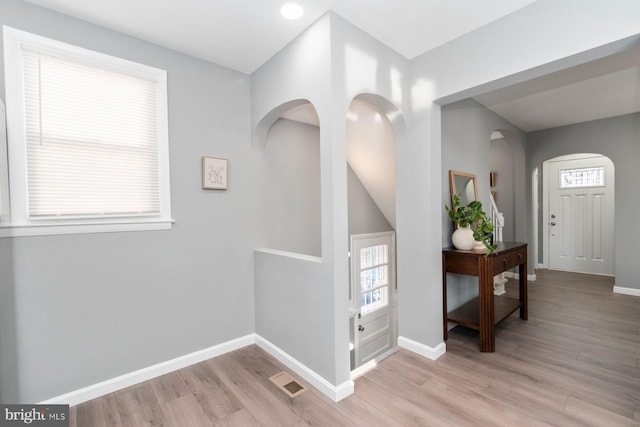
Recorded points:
(452, 182)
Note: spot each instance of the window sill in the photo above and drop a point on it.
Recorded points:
(83, 228)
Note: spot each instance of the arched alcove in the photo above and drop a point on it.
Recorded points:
(291, 193)
(375, 128)
(371, 171)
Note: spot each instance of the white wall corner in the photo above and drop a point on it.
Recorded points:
(334, 392)
(432, 353)
(626, 291)
(123, 381)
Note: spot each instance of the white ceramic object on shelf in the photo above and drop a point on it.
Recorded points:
(463, 239)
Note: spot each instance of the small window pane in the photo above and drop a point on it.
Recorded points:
(374, 300)
(373, 255)
(373, 278)
(582, 177)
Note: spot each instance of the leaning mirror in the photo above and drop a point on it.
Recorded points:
(465, 185)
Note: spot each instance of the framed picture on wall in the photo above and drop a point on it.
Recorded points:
(214, 173)
(492, 179)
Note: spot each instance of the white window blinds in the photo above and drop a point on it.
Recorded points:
(91, 140)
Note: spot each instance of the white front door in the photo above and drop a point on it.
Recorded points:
(581, 214)
(373, 289)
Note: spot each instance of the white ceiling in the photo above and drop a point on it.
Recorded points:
(243, 34)
(604, 88)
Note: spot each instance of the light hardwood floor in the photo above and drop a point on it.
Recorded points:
(575, 362)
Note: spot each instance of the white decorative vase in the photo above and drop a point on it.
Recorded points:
(463, 239)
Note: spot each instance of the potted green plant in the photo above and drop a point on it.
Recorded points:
(472, 218)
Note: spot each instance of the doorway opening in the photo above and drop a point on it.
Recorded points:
(371, 194)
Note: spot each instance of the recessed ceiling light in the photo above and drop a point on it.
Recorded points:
(291, 11)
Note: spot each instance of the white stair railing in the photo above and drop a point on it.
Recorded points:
(497, 218)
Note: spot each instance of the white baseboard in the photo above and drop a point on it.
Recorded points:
(530, 277)
(423, 350)
(626, 291)
(540, 266)
(109, 386)
(335, 393)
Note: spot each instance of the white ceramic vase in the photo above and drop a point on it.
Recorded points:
(463, 239)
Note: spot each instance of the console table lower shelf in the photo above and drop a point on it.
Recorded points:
(468, 315)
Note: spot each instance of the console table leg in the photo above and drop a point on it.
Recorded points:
(486, 305)
(444, 299)
(524, 304)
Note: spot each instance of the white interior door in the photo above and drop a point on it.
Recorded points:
(581, 215)
(374, 289)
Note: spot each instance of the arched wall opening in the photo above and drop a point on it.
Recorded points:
(373, 125)
(291, 192)
(371, 169)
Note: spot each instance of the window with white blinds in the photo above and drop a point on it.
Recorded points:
(93, 135)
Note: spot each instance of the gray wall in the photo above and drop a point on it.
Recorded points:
(92, 307)
(466, 146)
(8, 362)
(501, 162)
(292, 190)
(364, 215)
(8, 378)
(616, 138)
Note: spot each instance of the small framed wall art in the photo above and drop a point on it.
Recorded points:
(214, 173)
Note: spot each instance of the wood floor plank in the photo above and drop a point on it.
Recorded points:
(359, 410)
(138, 406)
(478, 407)
(185, 411)
(240, 418)
(91, 413)
(593, 415)
(413, 410)
(575, 362)
(169, 387)
(214, 396)
(73, 419)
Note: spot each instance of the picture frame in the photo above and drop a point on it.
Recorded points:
(492, 179)
(214, 173)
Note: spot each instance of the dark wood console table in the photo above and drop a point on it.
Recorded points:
(485, 311)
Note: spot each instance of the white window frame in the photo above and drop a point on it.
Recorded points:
(561, 185)
(19, 223)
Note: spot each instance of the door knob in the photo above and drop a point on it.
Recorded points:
(360, 328)
(553, 223)
(553, 216)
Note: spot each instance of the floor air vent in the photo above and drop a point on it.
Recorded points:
(285, 382)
